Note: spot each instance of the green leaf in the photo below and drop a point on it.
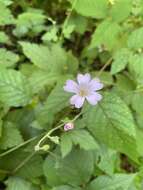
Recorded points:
(6, 2)
(75, 169)
(111, 122)
(8, 58)
(56, 101)
(67, 31)
(40, 78)
(16, 183)
(66, 144)
(136, 67)
(77, 137)
(102, 35)
(51, 172)
(79, 22)
(29, 21)
(53, 59)
(121, 59)
(124, 87)
(14, 88)
(43, 57)
(4, 38)
(6, 17)
(121, 10)
(115, 182)
(106, 159)
(32, 169)
(91, 8)
(65, 187)
(51, 35)
(137, 103)
(135, 40)
(38, 54)
(10, 136)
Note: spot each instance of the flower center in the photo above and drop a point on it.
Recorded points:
(83, 92)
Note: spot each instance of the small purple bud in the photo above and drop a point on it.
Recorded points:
(68, 126)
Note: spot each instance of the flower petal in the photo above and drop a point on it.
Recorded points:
(94, 98)
(95, 84)
(83, 78)
(77, 101)
(71, 86)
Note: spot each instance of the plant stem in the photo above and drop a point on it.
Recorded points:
(37, 147)
(19, 146)
(104, 66)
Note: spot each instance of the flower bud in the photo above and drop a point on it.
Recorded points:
(68, 126)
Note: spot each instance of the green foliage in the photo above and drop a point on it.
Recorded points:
(31, 21)
(43, 44)
(4, 38)
(112, 123)
(7, 58)
(77, 137)
(102, 35)
(6, 16)
(92, 8)
(136, 67)
(75, 169)
(135, 39)
(121, 59)
(106, 159)
(10, 136)
(118, 181)
(14, 88)
(15, 183)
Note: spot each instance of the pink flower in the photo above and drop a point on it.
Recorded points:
(84, 89)
(68, 126)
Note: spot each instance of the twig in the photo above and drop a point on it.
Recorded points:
(19, 146)
(104, 67)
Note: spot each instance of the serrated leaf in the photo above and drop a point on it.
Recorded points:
(111, 122)
(29, 21)
(77, 137)
(40, 78)
(102, 35)
(8, 58)
(14, 88)
(38, 54)
(56, 101)
(10, 136)
(121, 59)
(54, 59)
(115, 182)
